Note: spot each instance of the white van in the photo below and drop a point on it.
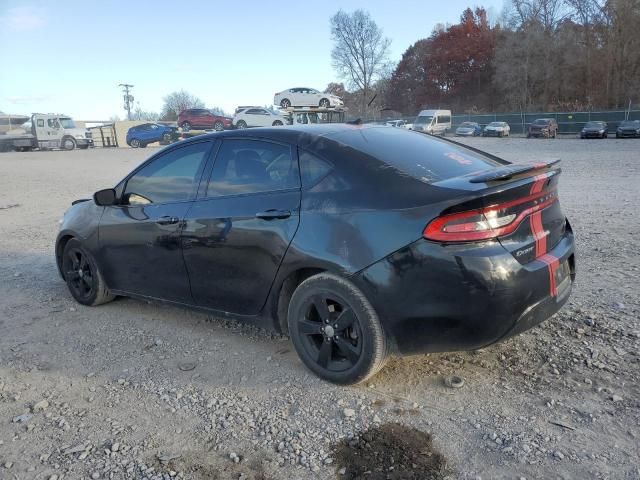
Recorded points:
(434, 122)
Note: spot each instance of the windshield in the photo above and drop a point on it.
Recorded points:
(67, 123)
(496, 124)
(423, 120)
(630, 123)
(467, 125)
(541, 121)
(594, 125)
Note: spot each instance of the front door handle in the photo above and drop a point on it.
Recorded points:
(273, 214)
(167, 220)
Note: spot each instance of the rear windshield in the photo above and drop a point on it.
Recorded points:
(423, 157)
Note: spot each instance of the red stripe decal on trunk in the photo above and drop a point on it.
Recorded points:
(540, 237)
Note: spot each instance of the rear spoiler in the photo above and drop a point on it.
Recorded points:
(506, 172)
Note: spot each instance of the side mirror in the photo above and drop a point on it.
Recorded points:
(104, 198)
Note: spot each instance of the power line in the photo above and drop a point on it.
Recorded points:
(128, 99)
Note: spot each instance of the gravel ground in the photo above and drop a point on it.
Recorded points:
(139, 390)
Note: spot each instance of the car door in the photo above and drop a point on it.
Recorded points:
(238, 231)
(263, 118)
(296, 97)
(139, 238)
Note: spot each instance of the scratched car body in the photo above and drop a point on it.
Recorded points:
(358, 241)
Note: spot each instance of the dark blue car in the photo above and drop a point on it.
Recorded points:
(143, 135)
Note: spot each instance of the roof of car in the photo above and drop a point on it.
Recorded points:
(297, 134)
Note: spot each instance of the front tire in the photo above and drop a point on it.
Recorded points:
(83, 276)
(277, 123)
(186, 126)
(241, 124)
(135, 143)
(324, 103)
(68, 143)
(335, 330)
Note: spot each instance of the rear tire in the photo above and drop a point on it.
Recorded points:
(83, 277)
(335, 330)
(218, 126)
(186, 126)
(277, 123)
(285, 103)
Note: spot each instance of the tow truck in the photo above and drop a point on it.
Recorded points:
(44, 131)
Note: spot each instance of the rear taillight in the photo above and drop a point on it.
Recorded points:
(489, 222)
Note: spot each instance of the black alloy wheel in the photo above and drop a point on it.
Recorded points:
(335, 330)
(325, 103)
(82, 275)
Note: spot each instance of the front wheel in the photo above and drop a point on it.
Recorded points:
(218, 126)
(277, 123)
(325, 103)
(83, 276)
(186, 126)
(241, 124)
(335, 330)
(135, 143)
(68, 143)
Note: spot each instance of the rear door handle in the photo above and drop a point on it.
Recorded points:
(273, 214)
(167, 220)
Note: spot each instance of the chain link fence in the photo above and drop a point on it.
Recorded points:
(568, 122)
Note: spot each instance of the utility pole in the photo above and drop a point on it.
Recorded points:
(128, 99)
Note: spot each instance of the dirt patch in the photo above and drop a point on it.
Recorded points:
(391, 451)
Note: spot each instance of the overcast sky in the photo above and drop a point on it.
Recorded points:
(69, 56)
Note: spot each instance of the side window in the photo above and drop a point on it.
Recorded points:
(40, 122)
(252, 166)
(172, 177)
(312, 168)
(251, 111)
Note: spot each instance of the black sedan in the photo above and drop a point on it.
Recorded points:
(594, 130)
(358, 241)
(628, 128)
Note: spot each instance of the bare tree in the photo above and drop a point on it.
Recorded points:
(176, 102)
(360, 52)
(140, 114)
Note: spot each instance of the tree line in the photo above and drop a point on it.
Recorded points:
(546, 55)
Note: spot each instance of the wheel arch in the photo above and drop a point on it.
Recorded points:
(60, 244)
(283, 290)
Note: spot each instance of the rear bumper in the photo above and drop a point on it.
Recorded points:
(432, 297)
